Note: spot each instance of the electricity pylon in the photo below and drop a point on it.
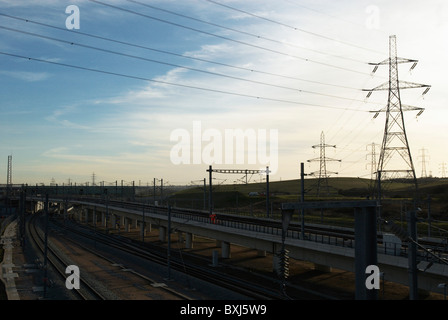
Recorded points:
(373, 165)
(443, 169)
(322, 173)
(423, 161)
(395, 158)
(373, 159)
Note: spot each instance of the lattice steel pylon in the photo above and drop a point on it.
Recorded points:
(323, 173)
(395, 159)
(423, 156)
(372, 165)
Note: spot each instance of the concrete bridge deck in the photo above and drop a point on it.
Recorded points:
(394, 268)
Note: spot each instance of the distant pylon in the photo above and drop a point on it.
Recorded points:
(423, 161)
(372, 164)
(322, 181)
(443, 169)
(9, 172)
(93, 179)
(395, 158)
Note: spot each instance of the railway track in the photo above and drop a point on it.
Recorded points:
(93, 288)
(182, 262)
(86, 290)
(210, 274)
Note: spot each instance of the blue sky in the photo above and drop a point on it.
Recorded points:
(309, 62)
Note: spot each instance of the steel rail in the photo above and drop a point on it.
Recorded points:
(86, 290)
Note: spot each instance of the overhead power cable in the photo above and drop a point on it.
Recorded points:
(227, 38)
(251, 70)
(292, 27)
(172, 64)
(172, 83)
(245, 32)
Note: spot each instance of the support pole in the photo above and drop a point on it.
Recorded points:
(210, 194)
(46, 247)
(161, 191)
(205, 194)
(302, 199)
(365, 250)
(267, 192)
(412, 256)
(169, 243)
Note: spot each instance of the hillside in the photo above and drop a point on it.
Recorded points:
(236, 198)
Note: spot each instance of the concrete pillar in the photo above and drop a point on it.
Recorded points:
(225, 250)
(103, 219)
(162, 233)
(215, 260)
(180, 237)
(94, 218)
(261, 253)
(126, 224)
(321, 267)
(135, 224)
(114, 221)
(365, 251)
(86, 213)
(189, 237)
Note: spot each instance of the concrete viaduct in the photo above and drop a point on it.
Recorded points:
(324, 255)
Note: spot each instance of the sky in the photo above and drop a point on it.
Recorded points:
(137, 90)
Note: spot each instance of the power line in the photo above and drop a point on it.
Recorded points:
(176, 65)
(243, 32)
(173, 65)
(226, 38)
(292, 27)
(251, 70)
(172, 83)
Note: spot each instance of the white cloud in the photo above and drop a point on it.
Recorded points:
(27, 76)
